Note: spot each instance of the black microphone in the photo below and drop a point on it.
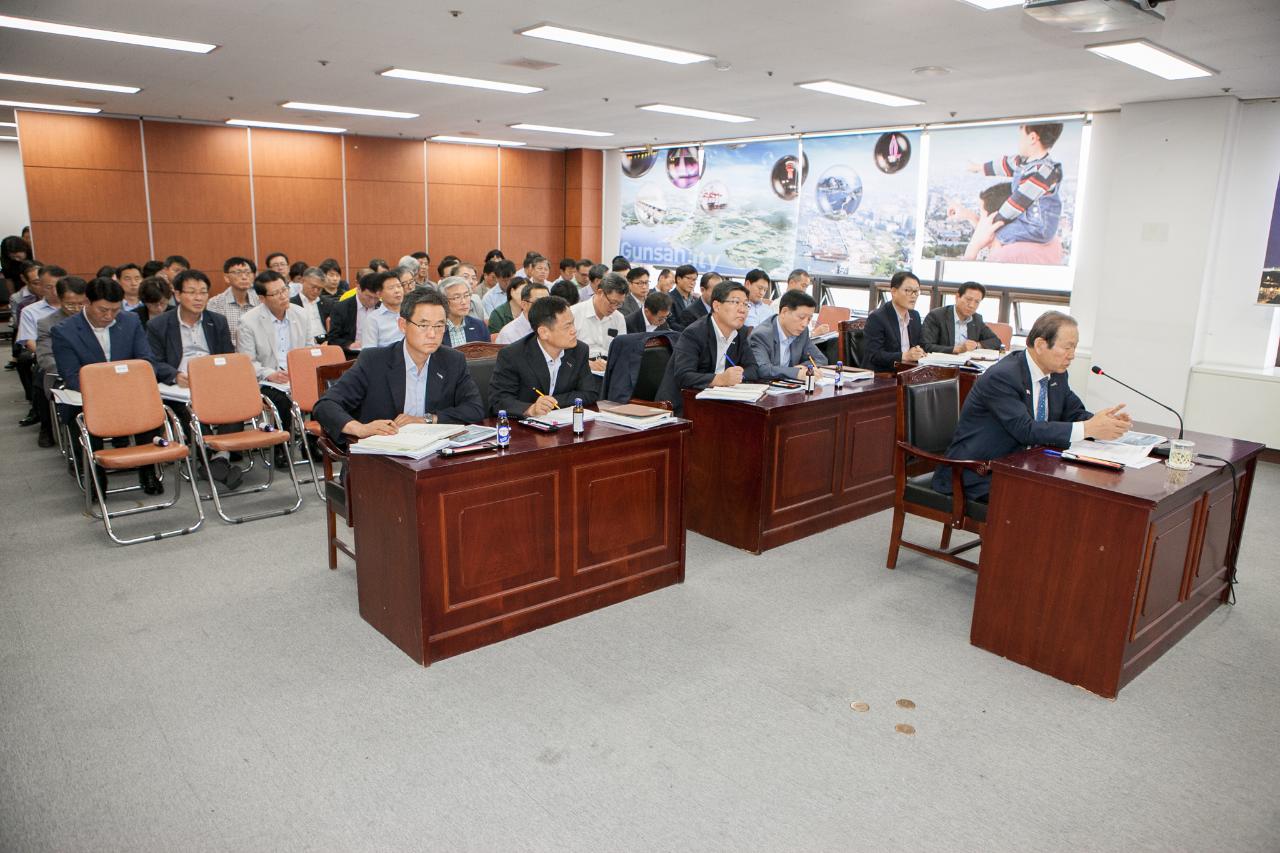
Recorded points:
(1162, 451)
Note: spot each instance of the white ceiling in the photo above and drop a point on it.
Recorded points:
(1004, 64)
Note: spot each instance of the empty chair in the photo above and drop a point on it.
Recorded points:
(1003, 331)
(224, 390)
(305, 389)
(121, 398)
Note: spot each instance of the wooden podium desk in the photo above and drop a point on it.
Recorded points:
(767, 473)
(454, 554)
(1089, 575)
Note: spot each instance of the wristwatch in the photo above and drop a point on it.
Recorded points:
(433, 419)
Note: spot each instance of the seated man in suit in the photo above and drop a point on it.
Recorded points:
(461, 326)
(781, 345)
(71, 301)
(307, 296)
(652, 316)
(686, 276)
(701, 307)
(1024, 400)
(413, 381)
(267, 333)
(102, 332)
(599, 320)
(638, 285)
(959, 328)
(347, 317)
(893, 330)
(711, 350)
(528, 292)
(546, 370)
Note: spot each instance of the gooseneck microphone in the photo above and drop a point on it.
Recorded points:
(1101, 372)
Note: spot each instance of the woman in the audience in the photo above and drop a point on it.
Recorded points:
(13, 253)
(155, 294)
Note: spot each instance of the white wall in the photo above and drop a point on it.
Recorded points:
(13, 191)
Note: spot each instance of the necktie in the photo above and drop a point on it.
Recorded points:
(1042, 400)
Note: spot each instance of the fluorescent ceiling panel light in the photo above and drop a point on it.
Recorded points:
(1151, 58)
(546, 128)
(8, 124)
(617, 45)
(355, 111)
(451, 80)
(277, 125)
(475, 140)
(953, 125)
(104, 35)
(988, 5)
(27, 105)
(70, 84)
(844, 90)
(8, 139)
(692, 113)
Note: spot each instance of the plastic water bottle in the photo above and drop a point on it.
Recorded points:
(579, 417)
(839, 375)
(504, 430)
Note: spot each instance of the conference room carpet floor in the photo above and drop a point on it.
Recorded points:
(221, 692)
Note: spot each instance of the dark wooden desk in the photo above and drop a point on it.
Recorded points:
(1090, 575)
(453, 554)
(765, 474)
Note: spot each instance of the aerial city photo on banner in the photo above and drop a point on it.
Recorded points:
(851, 204)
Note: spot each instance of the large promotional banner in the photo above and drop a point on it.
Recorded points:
(858, 203)
(1004, 193)
(727, 208)
(1269, 288)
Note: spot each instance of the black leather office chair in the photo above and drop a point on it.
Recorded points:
(928, 409)
(653, 366)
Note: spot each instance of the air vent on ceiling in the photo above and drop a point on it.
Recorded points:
(1094, 16)
(530, 64)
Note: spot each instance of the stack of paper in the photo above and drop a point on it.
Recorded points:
(564, 417)
(68, 397)
(944, 359)
(746, 392)
(1130, 450)
(473, 435)
(984, 354)
(174, 392)
(851, 374)
(632, 416)
(415, 441)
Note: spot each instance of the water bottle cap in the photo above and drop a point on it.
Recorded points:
(502, 413)
(577, 401)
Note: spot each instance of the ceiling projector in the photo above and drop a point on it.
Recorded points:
(1094, 16)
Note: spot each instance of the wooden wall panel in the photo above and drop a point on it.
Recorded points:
(371, 158)
(583, 197)
(295, 154)
(462, 164)
(297, 194)
(546, 240)
(450, 204)
(196, 148)
(85, 195)
(303, 242)
(205, 244)
(300, 201)
(525, 206)
(200, 198)
(386, 203)
(522, 168)
(82, 247)
(383, 241)
(79, 142)
(468, 242)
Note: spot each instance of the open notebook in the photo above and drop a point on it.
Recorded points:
(415, 441)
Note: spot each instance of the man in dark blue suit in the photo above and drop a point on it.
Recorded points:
(1024, 400)
(681, 294)
(189, 332)
(893, 330)
(712, 350)
(696, 309)
(411, 381)
(545, 370)
(100, 333)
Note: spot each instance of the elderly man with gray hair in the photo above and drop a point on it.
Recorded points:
(460, 326)
(308, 299)
(410, 263)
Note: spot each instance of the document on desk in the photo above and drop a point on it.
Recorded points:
(746, 392)
(943, 359)
(564, 417)
(68, 397)
(851, 374)
(984, 354)
(1128, 455)
(415, 441)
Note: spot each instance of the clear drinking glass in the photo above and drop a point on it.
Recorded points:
(1181, 454)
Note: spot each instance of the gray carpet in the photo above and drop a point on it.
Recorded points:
(220, 691)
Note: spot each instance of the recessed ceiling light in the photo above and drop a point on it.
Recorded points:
(1151, 58)
(70, 84)
(8, 139)
(931, 71)
(988, 5)
(278, 125)
(8, 124)
(355, 111)
(27, 105)
(844, 90)
(545, 128)
(692, 113)
(617, 45)
(452, 80)
(475, 140)
(104, 35)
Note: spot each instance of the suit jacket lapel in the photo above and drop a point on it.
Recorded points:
(396, 377)
(435, 383)
(1024, 373)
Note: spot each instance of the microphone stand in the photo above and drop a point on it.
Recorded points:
(1159, 452)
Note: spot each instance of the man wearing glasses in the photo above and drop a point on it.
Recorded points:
(461, 327)
(893, 330)
(710, 351)
(519, 328)
(239, 297)
(598, 319)
(414, 381)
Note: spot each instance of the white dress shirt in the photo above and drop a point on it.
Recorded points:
(594, 330)
(723, 342)
(415, 386)
(515, 330)
(962, 327)
(381, 328)
(32, 314)
(553, 366)
(1077, 428)
(758, 312)
(194, 343)
(104, 337)
(904, 327)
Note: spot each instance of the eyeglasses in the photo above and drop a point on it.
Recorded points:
(437, 328)
(736, 303)
(204, 291)
(459, 297)
(616, 303)
(274, 293)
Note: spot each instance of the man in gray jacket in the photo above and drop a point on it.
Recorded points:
(781, 344)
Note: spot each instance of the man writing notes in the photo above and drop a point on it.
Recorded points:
(1024, 400)
(600, 319)
(893, 329)
(781, 345)
(959, 328)
(710, 350)
(546, 370)
(413, 381)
